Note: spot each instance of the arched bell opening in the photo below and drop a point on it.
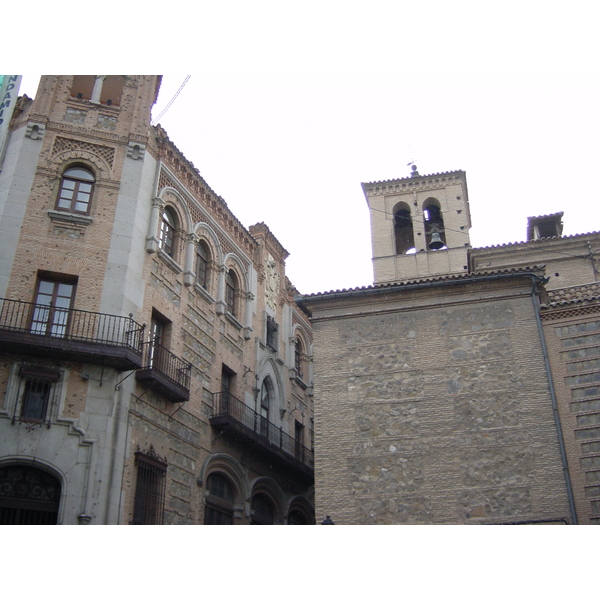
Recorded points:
(435, 235)
(403, 230)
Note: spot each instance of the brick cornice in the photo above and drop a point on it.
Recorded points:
(427, 182)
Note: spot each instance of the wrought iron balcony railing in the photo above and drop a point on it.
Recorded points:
(230, 410)
(168, 374)
(70, 334)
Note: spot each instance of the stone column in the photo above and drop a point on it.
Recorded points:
(151, 240)
(97, 91)
(249, 297)
(220, 305)
(189, 276)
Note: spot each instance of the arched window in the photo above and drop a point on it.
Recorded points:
(301, 512)
(434, 225)
(75, 192)
(202, 265)
(262, 510)
(265, 402)
(297, 517)
(28, 496)
(167, 232)
(219, 502)
(403, 230)
(231, 290)
(298, 358)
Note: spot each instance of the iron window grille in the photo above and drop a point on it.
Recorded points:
(28, 496)
(38, 396)
(149, 503)
(272, 331)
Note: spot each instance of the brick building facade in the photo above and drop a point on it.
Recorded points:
(154, 367)
(462, 387)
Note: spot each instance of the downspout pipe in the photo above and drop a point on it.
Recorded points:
(561, 442)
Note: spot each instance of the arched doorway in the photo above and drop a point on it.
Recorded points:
(28, 496)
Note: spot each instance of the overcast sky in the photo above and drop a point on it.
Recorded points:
(288, 110)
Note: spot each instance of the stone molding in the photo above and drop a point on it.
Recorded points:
(57, 215)
(388, 188)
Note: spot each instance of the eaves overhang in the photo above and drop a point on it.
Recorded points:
(535, 273)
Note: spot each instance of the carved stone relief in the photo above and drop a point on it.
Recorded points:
(272, 282)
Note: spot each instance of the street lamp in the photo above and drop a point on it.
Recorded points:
(327, 521)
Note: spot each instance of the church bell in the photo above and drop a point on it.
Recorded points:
(436, 242)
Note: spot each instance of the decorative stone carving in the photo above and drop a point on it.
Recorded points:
(158, 203)
(34, 131)
(136, 151)
(272, 284)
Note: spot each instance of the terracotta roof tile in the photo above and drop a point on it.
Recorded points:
(451, 277)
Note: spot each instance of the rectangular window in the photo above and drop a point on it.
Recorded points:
(149, 503)
(37, 393)
(53, 300)
(35, 400)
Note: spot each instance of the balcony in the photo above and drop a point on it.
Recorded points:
(165, 373)
(46, 331)
(238, 420)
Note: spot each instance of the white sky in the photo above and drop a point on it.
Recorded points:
(291, 106)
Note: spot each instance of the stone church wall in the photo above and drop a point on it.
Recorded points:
(434, 408)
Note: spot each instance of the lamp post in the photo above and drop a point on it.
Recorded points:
(327, 521)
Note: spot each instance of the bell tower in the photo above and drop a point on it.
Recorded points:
(419, 226)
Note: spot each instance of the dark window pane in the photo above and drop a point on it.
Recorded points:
(35, 400)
